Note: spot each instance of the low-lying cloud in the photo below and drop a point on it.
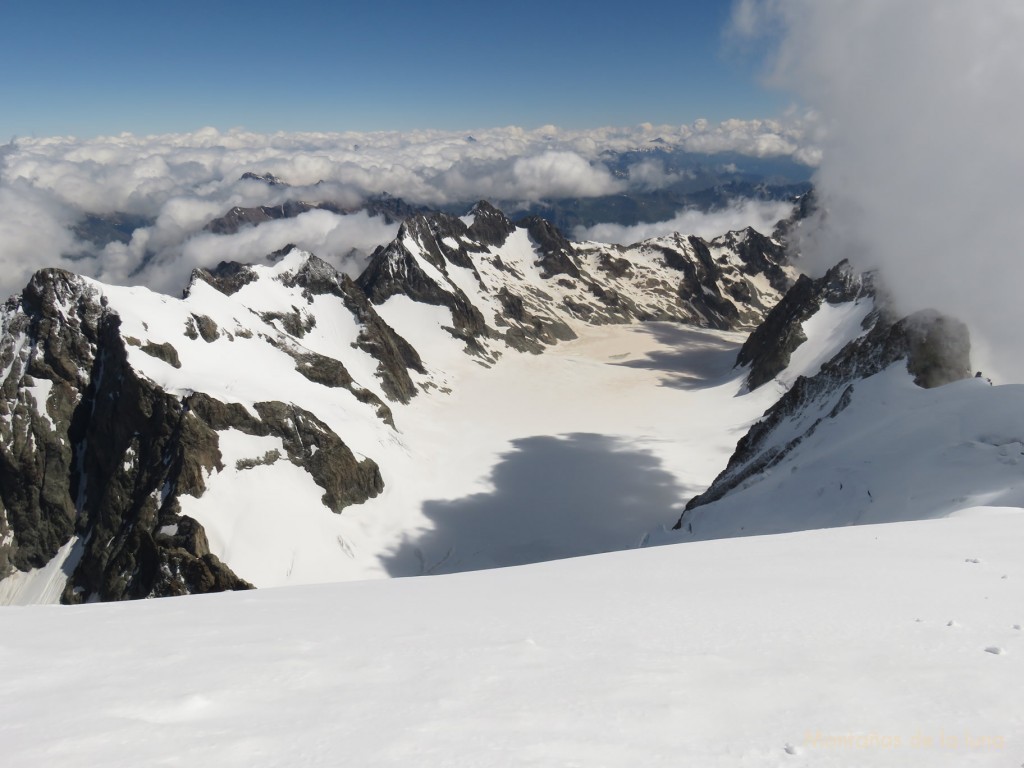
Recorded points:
(921, 161)
(762, 215)
(177, 183)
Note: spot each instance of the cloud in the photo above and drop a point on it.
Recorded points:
(33, 232)
(921, 154)
(650, 174)
(762, 215)
(179, 182)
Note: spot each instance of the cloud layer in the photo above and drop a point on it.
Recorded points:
(920, 174)
(762, 215)
(182, 181)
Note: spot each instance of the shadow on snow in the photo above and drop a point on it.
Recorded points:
(698, 360)
(553, 497)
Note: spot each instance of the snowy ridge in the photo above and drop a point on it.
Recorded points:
(525, 286)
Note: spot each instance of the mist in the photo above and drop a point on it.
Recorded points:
(920, 108)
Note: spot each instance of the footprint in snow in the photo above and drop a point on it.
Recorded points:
(995, 650)
(972, 560)
(791, 749)
(952, 623)
(1016, 626)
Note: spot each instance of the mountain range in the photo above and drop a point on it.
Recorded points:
(284, 423)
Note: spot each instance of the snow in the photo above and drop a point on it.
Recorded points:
(40, 392)
(516, 479)
(267, 521)
(824, 648)
(534, 465)
(897, 452)
(42, 586)
(859, 644)
(828, 330)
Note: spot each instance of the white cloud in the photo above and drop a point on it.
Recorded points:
(33, 232)
(921, 153)
(650, 174)
(181, 181)
(760, 214)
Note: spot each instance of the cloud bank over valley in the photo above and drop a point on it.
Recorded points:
(135, 210)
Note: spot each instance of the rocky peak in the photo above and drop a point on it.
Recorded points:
(228, 277)
(490, 226)
(759, 254)
(556, 253)
(85, 447)
(267, 178)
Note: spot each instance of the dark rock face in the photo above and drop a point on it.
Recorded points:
(490, 226)
(163, 351)
(395, 356)
(89, 448)
(38, 510)
(232, 221)
(267, 178)
(806, 206)
(556, 253)
(394, 270)
(768, 349)
(228, 277)
(308, 441)
(760, 255)
(936, 350)
(103, 457)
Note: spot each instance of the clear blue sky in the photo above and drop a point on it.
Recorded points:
(105, 66)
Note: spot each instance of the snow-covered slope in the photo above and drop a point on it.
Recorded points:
(879, 421)
(895, 452)
(895, 645)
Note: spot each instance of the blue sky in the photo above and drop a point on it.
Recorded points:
(107, 66)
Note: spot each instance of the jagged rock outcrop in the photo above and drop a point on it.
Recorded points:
(95, 452)
(395, 356)
(228, 277)
(404, 267)
(389, 208)
(307, 440)
(523, 285)
(490, 226)
(554, 251)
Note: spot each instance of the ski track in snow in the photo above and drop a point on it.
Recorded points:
(821, 648)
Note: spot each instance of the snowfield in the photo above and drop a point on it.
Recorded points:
(885, 645)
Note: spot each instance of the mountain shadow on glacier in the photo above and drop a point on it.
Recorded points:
(698, 359)
(553, 497)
